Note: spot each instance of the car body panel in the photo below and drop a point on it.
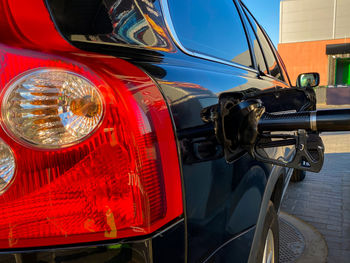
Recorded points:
(222, 200)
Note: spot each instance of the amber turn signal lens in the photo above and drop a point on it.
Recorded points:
(86, 106)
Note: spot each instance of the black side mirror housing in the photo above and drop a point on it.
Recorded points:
(308, 80)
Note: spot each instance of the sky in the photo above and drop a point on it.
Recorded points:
(267, 13)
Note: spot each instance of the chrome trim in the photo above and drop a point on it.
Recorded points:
(313, 121)
(171, 29)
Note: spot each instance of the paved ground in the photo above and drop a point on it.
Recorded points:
(300, 242)
(323, 199)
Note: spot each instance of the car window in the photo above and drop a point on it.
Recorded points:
(283, 69)
(272, 64)
(259, 57)
(212, 28)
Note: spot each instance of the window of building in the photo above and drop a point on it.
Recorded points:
(342, 71)
(211, 28)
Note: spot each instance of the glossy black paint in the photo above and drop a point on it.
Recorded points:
(132, 252)
(228, 251)
(224, 202)
(126, 23)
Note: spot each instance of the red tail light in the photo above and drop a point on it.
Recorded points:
(121, 181)
(28, 23)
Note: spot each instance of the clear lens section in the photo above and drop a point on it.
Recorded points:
(7, 166)
(52, 108)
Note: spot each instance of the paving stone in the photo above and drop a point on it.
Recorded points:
(334, 227)
(323, 199)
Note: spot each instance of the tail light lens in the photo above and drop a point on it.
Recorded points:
(7, 166)
(51, 108)
(96, 157)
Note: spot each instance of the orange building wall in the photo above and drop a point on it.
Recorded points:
(303, 57)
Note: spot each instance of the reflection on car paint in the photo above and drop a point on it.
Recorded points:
(134, 23)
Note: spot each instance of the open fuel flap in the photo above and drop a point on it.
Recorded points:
(243, 122)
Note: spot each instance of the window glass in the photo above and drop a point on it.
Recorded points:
(256, 48)
(283, 69)
(273, 67)
(212, 28)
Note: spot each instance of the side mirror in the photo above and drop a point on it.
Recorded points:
(308, 80)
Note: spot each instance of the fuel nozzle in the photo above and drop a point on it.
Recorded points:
(243, 123)
(320, 121)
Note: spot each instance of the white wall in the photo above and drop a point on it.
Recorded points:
(309, 20)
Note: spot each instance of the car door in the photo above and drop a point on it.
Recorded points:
(223, 201)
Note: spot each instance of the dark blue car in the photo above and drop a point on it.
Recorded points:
(112, 147)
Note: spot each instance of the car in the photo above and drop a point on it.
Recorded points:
(109, 148)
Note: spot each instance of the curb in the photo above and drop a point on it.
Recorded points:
(316, 249)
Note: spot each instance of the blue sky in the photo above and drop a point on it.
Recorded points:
(267, 14)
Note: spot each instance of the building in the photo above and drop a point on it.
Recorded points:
(315, 37)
